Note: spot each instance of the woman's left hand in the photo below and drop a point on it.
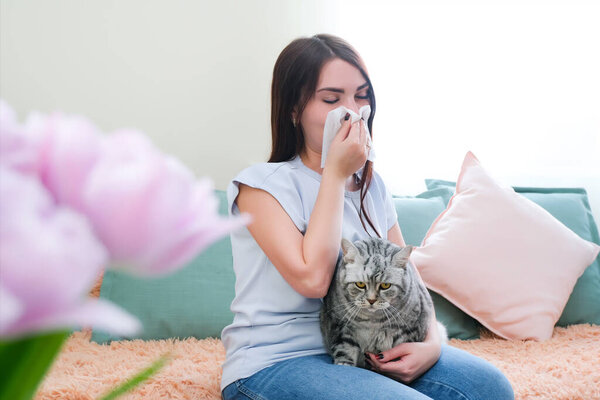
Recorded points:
(407, 361)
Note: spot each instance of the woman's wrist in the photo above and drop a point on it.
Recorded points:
(331, 175)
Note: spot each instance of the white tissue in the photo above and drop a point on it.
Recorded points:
(334, 122)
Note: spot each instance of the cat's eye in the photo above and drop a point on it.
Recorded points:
(360, 285)
(385, 285)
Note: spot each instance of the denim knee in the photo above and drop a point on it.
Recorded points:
(497, 386)
(492, 383)
(462, 376)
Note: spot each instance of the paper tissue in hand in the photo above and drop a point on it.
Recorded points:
(334, 122)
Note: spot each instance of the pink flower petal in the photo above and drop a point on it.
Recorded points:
(49, 256)
(148, 209)
(10, 309)
(120, 191)
(96, 313)
(69, 148)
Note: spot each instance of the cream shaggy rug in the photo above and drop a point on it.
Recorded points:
(564, 367)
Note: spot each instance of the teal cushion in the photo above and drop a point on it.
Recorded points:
(415, 216)
(194, 301)
(571, 207)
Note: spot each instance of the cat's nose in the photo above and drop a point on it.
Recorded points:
(371, 301)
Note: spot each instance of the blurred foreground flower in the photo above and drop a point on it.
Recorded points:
(73, 202)
(49, 260)
(148, 209)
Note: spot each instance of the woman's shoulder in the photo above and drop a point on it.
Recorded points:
(259, 173)
(280, 179)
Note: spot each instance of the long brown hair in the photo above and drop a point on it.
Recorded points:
(295, 78)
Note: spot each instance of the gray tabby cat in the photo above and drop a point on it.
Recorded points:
(375, 302)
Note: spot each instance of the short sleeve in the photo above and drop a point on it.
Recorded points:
(276, 181)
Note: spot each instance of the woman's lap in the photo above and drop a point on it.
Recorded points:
(456, 375)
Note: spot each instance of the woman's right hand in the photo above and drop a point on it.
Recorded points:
(348, 151)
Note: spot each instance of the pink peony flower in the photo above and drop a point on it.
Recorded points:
(49, 260)
(148, 209)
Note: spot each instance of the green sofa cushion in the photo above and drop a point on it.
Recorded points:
(194, 301)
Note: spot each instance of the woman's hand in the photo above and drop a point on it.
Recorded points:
(407, 361)
(348, 151)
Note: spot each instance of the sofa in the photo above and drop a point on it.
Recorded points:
(183, 315)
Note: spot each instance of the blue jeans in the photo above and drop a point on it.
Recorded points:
(456, 375)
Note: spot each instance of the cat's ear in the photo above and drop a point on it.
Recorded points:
(349, 250)
(401, 258)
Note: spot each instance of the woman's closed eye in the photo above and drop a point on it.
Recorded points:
(333, 101)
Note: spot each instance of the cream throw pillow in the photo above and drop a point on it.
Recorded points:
(501, 258)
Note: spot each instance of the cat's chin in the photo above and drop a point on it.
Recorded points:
(371, 310)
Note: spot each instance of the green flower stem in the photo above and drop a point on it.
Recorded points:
(137, 379)
(25, 361)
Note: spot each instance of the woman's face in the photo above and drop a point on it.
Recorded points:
(340, 84)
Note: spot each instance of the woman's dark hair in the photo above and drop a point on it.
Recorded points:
(295, 77)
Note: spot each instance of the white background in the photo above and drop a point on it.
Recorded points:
(516, 82)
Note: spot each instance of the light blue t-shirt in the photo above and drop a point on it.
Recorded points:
(272, 321)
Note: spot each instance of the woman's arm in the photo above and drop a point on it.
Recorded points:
(395, 235)
(307, 262)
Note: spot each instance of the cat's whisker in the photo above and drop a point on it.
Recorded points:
(398, 316)
(389, 314)
(350, 314)
(353, 316)
(341, 305)
(341, 308)
(385, 312)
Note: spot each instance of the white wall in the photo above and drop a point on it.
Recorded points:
(515, 82)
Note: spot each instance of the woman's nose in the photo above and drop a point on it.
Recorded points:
(352, 105)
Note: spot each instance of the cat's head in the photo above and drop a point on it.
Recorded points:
(375, 273)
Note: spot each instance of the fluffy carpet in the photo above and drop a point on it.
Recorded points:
(564, 367)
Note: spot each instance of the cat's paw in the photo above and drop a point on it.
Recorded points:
(348, 363)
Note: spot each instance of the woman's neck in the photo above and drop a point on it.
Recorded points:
(312, 160)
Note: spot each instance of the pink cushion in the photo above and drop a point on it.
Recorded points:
(501, 258)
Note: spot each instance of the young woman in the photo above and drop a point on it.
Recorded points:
(285, 259)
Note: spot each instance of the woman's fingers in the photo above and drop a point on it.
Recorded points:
(345, 128)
